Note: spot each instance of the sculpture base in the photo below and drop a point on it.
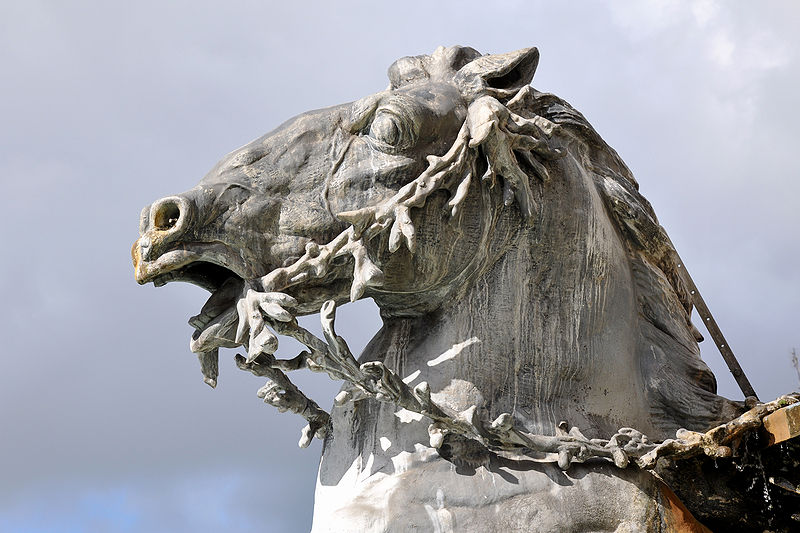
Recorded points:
(421, 491)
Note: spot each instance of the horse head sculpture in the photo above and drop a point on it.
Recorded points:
(532, 304)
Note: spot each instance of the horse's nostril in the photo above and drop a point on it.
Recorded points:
(166, 215)
(167, 218)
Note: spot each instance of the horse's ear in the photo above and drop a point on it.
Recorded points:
(500, 74)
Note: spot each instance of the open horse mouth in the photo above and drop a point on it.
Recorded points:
(209, 267)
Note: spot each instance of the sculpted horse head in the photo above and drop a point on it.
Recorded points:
(521, 278)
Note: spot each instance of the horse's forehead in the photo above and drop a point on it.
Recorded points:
(434, 96)
(441, 65)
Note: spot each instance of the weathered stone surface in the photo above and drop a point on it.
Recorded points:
(534, 309)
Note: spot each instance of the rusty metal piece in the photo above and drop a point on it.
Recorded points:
(783, 424)
(677, 516)
(716, 334)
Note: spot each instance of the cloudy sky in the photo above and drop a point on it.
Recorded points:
(106, 423)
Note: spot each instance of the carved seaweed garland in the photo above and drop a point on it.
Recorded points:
(492, 131)
(506, 142)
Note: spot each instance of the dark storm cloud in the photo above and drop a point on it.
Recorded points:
(108, 106)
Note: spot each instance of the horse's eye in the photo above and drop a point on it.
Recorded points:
(386, 128)
(390, 132)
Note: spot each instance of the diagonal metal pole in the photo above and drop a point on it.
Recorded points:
(715, 332)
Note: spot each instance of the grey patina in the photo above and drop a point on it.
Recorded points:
(526, 289)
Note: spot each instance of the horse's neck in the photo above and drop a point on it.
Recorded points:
(547, 334)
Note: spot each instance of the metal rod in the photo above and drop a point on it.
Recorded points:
(716, 334)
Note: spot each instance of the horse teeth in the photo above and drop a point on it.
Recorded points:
(198, 321)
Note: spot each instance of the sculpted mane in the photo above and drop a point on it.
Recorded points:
(663, 298)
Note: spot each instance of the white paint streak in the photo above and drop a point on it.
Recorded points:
(404, 460)
(411, 377)
(331, 500)
(367, 471)
(441, 518)
(407, 416)
(454, 351)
